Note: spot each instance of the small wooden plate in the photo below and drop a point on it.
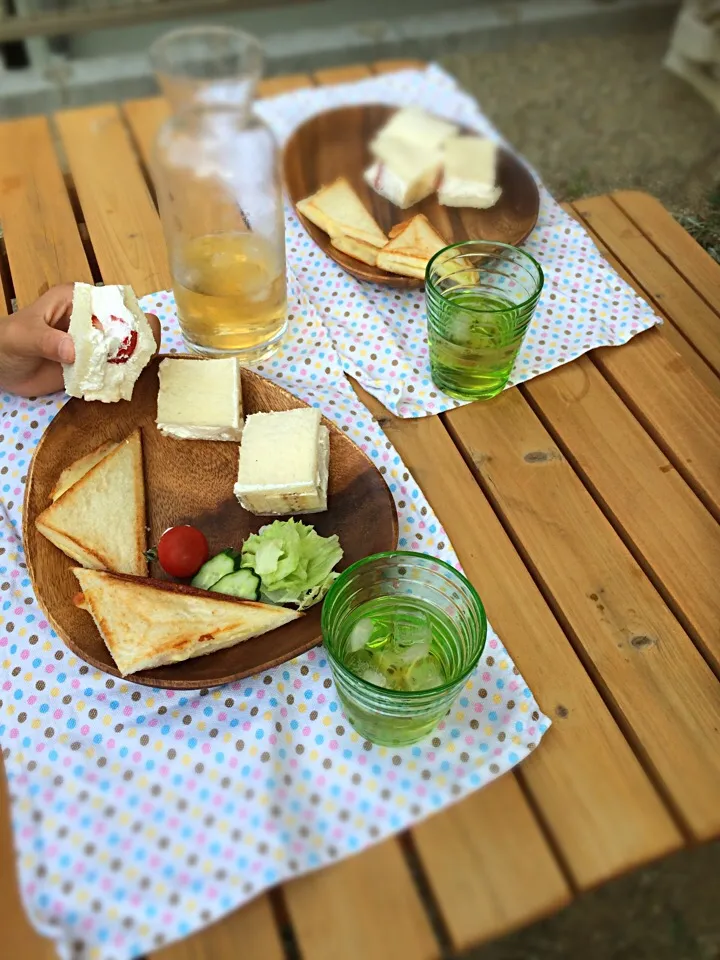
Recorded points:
(191, 481)
(335, 143)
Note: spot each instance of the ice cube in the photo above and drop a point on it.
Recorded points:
(359, 661)
(411, 629)
(363, 665)
(371, 675)
(459, 330)
(425, 674)
(408, 655)
(360, 634)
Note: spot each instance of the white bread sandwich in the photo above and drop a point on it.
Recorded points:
(470, 174)
(412, 245)
(284, 463)
(99, 520)
(147, 623)
(407, 176)
(200, 399)
(339, 211)
(408, 156)
(113, 343)
(415, 127)
(357, 249)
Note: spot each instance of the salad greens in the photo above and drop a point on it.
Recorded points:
(294, 563)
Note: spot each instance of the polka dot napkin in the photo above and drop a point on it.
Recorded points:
(140, 815)
(379, 332)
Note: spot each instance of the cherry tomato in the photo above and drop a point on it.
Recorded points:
(182, 551)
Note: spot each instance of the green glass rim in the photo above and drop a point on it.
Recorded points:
(433, 290)
(404, 694)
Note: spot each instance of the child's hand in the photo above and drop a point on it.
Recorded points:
(34, 342)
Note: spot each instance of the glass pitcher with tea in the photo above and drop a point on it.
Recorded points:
(217, 180)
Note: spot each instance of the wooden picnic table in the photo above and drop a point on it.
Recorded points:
(583, 506)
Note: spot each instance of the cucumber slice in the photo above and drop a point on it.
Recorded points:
(215, 569)
(242, 583)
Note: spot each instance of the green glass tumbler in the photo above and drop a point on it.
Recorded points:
(480, 297)
(399, 588)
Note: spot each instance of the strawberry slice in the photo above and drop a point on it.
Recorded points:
(126, 348)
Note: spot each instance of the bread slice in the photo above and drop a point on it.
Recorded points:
(414, 127)
(339, 211)
(470, 174)
(405, 173)
(147, 623)
(412, 245)
(357, 249)
(99, 520)
(75, 471)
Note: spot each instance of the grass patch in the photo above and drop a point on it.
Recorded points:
(577, 185)
(705, 226)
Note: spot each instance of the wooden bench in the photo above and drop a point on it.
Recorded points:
(584, 507)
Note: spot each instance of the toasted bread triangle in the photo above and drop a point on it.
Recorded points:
(415, 238)
(365, 252)
(339, 211)
(412, 244)
(99, 521)
(146, 623)
(75, 471)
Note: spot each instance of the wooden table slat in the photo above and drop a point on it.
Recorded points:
(19, 938)
(392, 66)
(647, 499)
(276, 85)
(121, 218)
(674, 242)
(587, 784)
(665, 695)
(251, 930)
(668, 331)
(360, 908)
(663, 285)
(671, 401)
(489, 869)
(356, 71)
(674, 406)
(456, 879)
(41, 237)
(144, 118)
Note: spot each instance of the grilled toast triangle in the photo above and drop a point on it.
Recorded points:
(147, 623)
(99, 520)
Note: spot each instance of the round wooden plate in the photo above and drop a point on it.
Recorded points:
(191, 481)
(335, 143)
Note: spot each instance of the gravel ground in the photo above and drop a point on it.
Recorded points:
(594, 114)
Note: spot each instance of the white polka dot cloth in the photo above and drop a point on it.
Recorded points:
(379, 332)
(141, 815)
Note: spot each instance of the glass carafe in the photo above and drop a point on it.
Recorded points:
(217, 179)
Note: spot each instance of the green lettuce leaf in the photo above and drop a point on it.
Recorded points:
(293, 561)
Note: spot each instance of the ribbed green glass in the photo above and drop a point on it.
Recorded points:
(393, 581)
(480, 298)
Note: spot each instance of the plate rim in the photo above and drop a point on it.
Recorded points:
(141, 676)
